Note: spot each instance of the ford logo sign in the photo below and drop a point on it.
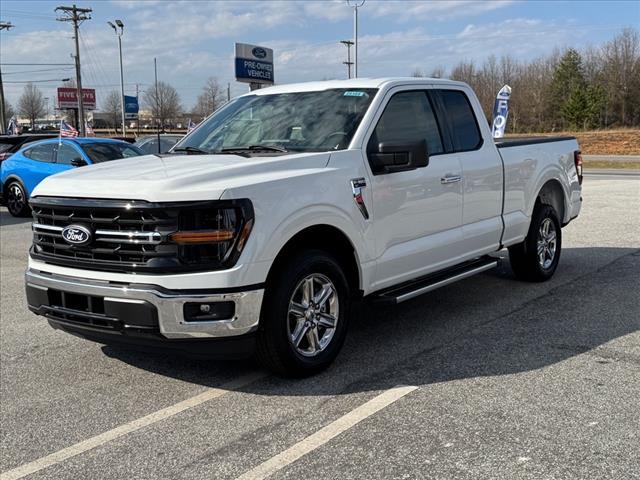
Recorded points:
(259, 52)
(76, 235)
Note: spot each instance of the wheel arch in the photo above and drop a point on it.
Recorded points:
(552, 193)
(324, 237)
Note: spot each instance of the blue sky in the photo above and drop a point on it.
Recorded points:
(194, 40)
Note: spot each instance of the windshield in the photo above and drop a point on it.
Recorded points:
(103, 152)
(296, 122)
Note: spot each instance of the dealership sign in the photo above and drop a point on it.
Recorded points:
(131, 107)
(254, 64)
(68, 98)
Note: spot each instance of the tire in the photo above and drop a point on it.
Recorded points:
(287, 317)
(527, 262)
(17, 202)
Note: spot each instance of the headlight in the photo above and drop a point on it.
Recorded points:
(214, 235)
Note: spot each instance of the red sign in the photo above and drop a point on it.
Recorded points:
(68, 98)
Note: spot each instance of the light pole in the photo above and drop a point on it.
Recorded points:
(3, 119)
(355, 4)
(119, 34)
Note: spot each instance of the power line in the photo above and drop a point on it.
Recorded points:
(36, 64)
(39, 71)
(40, 81)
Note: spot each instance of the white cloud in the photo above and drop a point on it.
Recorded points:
(194, 40)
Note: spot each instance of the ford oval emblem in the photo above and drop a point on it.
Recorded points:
(76, 235)
(259, 52)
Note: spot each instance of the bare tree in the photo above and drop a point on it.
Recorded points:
(438, 72)
(166, 106)
(211, 98)
(112, 106)
(9, 112)
(31, 103)
(418, 73)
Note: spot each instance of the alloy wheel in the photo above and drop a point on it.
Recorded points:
(546, 243)
(313, 315)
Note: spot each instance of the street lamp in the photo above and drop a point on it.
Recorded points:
(120, 25)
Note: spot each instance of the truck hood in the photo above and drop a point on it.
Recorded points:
(176, 177)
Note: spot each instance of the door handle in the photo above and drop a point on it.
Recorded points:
(450, 179)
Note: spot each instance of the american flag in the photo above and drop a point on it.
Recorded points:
(190, 126)
(67, 130)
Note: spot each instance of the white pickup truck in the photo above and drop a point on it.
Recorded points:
(264, 225)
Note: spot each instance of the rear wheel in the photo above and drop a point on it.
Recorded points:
(536, 259)
(17, 200)
(304, 316)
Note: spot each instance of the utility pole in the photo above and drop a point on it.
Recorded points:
(355, 4)
(3, 118)
(348, 63)
(77, 16)
(228, 92)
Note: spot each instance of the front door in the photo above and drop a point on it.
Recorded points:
(418, 213)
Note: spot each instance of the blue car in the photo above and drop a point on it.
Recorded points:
(26, 168)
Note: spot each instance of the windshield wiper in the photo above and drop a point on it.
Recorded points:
(268, 148)
(190, 150)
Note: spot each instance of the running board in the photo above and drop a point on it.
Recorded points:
(414, 288)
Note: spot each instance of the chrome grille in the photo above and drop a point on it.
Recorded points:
(126, 235)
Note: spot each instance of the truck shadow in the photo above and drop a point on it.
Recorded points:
(7, 219)
(489, 325)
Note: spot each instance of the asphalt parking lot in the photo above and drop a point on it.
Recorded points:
(486, 378)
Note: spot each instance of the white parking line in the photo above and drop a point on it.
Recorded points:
(325, 434)
(101, 439)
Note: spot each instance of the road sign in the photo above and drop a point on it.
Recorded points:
(131, 107)
(68, 98)
(254, 64)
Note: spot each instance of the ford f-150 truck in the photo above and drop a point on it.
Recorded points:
(265, 224)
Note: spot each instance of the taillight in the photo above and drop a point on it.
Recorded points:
(577, 158)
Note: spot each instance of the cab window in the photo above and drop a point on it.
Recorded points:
(462, 121)
(408, 118)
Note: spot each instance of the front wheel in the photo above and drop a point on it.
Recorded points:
(17, 200)
(536, 259)
(304, 316)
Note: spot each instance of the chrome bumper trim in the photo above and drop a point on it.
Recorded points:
(169, 305)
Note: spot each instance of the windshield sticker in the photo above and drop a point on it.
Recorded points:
(351, 93)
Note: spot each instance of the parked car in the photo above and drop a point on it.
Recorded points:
(294, 202)
(10, 144)
(25, 169)
(149, 143)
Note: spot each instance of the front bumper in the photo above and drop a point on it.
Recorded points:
(137, 309)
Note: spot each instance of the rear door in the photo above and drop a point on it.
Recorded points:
(482, 175)
(417, 214)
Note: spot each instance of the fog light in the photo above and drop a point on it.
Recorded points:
(207, 312)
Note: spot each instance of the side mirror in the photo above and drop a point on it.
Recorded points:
(78, 162)
(398, 157)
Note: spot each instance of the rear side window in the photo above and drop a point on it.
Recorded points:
(408, 118)
(462, 121)
(41, 153)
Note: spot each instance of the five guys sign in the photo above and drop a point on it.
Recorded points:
(68, 98)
